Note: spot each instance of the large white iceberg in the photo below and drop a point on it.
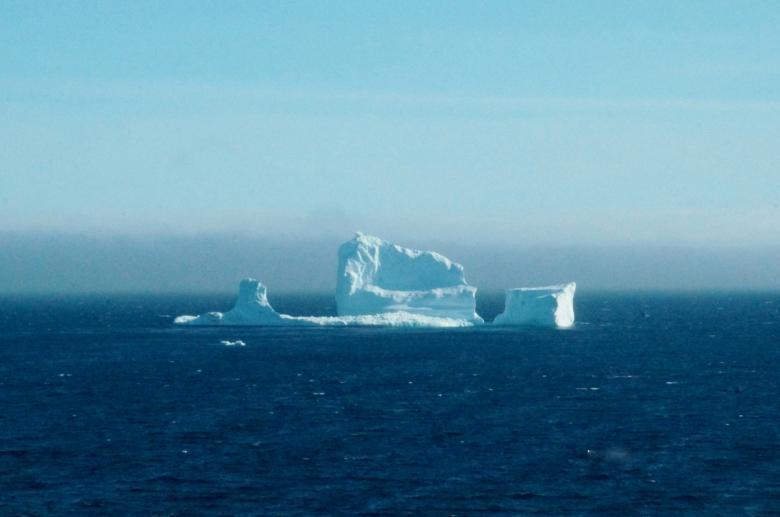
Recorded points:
(383, 284)
(550, 306)
(375, 276)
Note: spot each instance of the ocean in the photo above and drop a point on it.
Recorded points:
(653, 404)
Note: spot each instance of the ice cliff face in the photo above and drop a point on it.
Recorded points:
(551, 306)
(375, 276)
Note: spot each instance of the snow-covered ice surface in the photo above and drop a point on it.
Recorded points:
(383, 284)
(550, 306)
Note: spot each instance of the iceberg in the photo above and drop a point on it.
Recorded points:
(251, 308)
(383, 284)
(550, 306)
(375, 276)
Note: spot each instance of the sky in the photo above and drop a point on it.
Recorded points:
(598, 128)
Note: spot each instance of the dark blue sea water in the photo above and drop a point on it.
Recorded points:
(653, 405)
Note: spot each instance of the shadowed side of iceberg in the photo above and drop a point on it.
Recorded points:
(550, 306)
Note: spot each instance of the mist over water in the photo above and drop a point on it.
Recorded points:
(62, 263)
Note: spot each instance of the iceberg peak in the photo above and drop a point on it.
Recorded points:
(251, 308)
(376, 276)
(252, 292)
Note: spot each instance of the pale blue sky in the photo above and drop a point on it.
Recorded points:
(617, 123)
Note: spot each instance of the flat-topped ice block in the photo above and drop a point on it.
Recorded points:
(549, 306)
